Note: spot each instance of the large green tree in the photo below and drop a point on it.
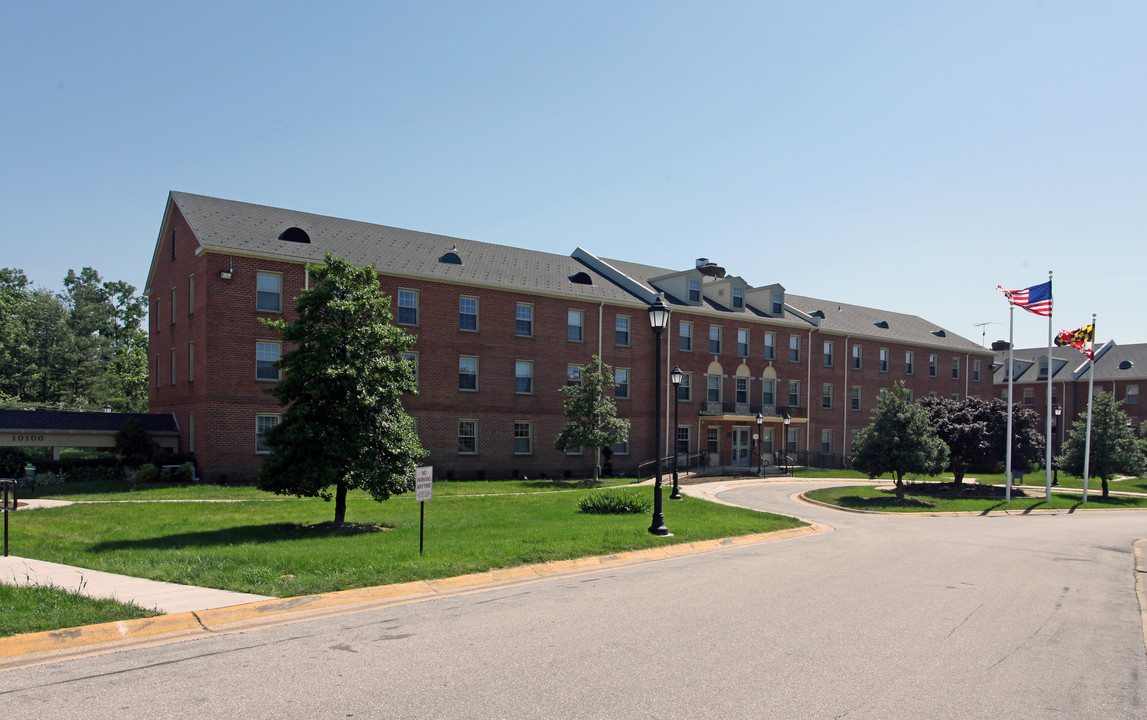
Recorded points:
(344, 425)
(899, 440)
(1114, 448)
(591, 413)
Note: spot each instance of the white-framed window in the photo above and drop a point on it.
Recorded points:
(191, 361)
(524, 320)
(715, 339)
(826, 441)
(742, 390)
(956, 368)
(713, 440)
(883, 360)
(468, 314)
(685, 336)
(172, 306)
(575, 326)
(412, 358)
(622, 448)
(407, 307)
(828, 359)
(794, 393)
(977, 366)
(468, 373)
(713, 388)
(794, 348)
(1132, 396)
(694, 291)
(738, 297)
(523, 438)
(778, 303)
(933, 365)
(171, 364)
(573, 450)
(684, 439)
(791, 440)
(857, 357)
(770, 346)
(621, 331)
(621, 383)
(266, 355)
(743, 343)
(573, 377)
(523, 377)
(768, 391)
(909, 362)
(826, 396)
(856, 398)
(467, 437)
(685, 389)
(1029, 397)
(263, 423)
(766, 441)
(269, 292)
(191, 294)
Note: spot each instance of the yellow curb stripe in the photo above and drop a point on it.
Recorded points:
(87, 635)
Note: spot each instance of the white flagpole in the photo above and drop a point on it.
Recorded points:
(1050, 365)
(1011, 371)
(1090, 402)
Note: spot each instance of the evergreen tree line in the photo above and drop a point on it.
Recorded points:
(81, 349)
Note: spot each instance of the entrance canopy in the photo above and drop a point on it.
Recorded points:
(66, 428)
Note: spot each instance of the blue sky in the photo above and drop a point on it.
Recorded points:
(901, 155)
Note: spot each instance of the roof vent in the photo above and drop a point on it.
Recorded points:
(450, 257)
(581, 278)
(939, 333)
(883, 324)
(817, 313)
(295, 234)
(1126, 365)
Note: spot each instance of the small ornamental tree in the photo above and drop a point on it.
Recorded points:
(344, 424)
(591, 414)
(963, 426)
(1114, 448)
(1028, 444)
(899, 440)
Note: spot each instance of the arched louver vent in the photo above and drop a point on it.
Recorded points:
(581, 278)
(939, 333)
(1126, 365)
(450, 258)
(883, 324)
(295, 234)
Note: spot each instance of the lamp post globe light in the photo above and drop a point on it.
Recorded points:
(658, 320)
(1056, 437)
(760, 458)
(788, 419)
(675, 376)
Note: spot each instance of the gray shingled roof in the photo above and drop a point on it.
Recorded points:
(71, 421)
(1107, 367)
(247, 229)
(839, 318)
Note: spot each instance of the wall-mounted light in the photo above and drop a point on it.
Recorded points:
(225, 274)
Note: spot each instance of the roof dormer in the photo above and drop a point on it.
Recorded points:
(769, 299)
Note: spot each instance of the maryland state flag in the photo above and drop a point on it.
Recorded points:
(1080, 339)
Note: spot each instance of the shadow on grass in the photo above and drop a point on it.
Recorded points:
(241, 535)
(858, 502)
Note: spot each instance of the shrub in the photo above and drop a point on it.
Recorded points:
(615, 502)
(186, 473)
(12, 462)
(145, 474)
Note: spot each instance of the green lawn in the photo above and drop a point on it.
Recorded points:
(39, 607)
(866, 497)
(274, 548)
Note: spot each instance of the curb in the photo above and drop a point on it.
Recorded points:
(56, 645)
(1139, 547)
(963, 513)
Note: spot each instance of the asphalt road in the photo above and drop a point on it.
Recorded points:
(885, 617)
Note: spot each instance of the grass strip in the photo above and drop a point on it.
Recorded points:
(35, 608)
(879, 500)
(287, 548)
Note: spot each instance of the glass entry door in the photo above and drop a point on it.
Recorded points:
(742, 442)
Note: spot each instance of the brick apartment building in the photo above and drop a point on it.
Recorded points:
(1120, 370)
(501, 329)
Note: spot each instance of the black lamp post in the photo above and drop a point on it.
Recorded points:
(788, 419)
(675, 376)
(1055, 436)
(760, 458)
(658, 320)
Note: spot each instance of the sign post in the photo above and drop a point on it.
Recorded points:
(423, 489)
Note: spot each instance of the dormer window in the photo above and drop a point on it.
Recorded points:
(738, 298)
(694, 291)
(778, 303)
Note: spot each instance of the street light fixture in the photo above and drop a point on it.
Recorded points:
(1055, 436)
(788, 419)
(760, 459)
(675, 377)
(658, 320)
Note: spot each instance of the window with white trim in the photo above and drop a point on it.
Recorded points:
(715, 339)
(856, 398)
(857, 357)
(269, 292)
(742, 390)
(575, 326)
(743, 343)
(694, 291)
(826, 396)
(909, 362)
(621, 331)
(956, 368)
(768, 391)
(263, 423)
(828, 359)
(266, 355)
(622, 448)
(684, 439)
(883, 360)
(523, 438)
(468, 373)
(573, 377)
(407, 307)
(770, 346)
(794, 348)
(794, 393)
(713, 388)
(621, 383)
(467, 437)
(524, 377)
(468, 314)
(685, 336)
(933, 362)
(738, 297)
(685, 389)
(524, 320)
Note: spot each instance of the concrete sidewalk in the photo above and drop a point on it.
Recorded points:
(162, 596)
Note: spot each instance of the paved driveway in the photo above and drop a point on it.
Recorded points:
(885, 617)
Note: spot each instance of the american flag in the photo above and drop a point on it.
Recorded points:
(1036, 299)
